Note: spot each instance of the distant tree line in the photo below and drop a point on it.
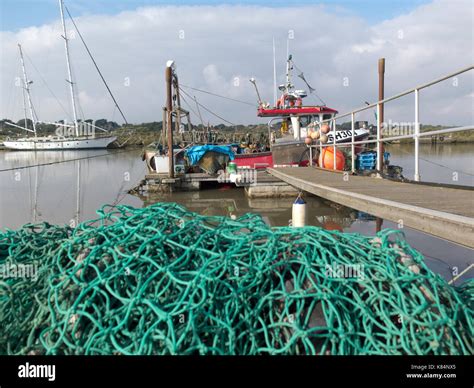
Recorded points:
(157, 126)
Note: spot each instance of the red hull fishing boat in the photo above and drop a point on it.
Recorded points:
(291, 125)
(291, 128)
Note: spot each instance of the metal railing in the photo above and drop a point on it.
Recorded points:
(379, 140)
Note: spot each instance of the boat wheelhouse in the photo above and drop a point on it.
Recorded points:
(290, 124)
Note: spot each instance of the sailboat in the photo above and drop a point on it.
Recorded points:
(75, 136)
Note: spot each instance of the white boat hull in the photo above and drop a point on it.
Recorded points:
(40, 144)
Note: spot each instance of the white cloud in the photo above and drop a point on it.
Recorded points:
(222, 43)
(373, 46)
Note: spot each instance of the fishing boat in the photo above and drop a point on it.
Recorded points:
(74, 136)
(290, 124)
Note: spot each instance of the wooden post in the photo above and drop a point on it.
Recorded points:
(380, 117)
(169, 121)
(378, 224)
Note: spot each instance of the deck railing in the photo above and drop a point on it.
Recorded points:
(379, 140)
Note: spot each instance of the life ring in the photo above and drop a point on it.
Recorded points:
(298, 103)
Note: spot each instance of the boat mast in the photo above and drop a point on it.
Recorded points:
(27, 89)
(24, 107)
(288, 67)
(71, 84)
(274, 75)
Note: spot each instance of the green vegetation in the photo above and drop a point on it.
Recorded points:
(457, 137)
(147, 133)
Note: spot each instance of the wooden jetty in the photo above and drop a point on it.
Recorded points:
(257, 184)
(441, 211)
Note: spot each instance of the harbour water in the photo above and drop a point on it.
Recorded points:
(65, 193)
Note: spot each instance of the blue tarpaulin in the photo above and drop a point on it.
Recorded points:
(195, 153)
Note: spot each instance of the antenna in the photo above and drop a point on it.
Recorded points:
(27, 89)
(71, 84)
(274, 75)
(288, 67)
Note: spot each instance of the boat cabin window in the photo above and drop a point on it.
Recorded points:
(306, 120)
(327, 116)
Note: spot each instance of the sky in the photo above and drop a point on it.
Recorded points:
(18, 13)
(219, 46)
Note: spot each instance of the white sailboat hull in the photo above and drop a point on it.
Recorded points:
(40, 144)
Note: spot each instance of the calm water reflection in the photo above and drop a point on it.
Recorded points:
(67, 192)
(442, 163)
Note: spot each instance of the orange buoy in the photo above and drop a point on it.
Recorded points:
(331, 225)
(308, 140)
(314, 135)
(325, 128)
(326, 159)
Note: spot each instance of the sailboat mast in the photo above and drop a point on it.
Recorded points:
(24, 107)
(27, 89)
(71, 84)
